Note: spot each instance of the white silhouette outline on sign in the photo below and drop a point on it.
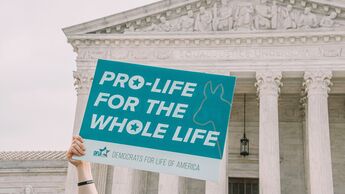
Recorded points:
(208, 87)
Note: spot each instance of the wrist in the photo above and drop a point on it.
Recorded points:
(84, 171)
(83, 166)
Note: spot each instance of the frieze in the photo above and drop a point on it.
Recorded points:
(332, 51)
(195, 54)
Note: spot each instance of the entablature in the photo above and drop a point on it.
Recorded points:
(261, 38)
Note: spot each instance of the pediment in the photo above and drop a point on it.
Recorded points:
(176, 16)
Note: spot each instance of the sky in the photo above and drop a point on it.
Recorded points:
(37, 96)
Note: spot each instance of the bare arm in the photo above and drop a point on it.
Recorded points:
(83, 168)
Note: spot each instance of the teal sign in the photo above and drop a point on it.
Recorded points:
(159, 109)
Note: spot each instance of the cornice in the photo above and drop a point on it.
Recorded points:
(20, 171)
(209, 39)
(130, 15)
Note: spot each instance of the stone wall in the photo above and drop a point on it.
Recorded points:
(32, 176)
(291, 145)
(337, 133)
(238, 165)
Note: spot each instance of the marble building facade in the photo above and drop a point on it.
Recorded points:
(33, 172)
(289, 58)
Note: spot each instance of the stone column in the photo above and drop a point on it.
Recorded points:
(83, 80)
(170, 184)
(122, 179)
(100, 176)
(318, 146)
(222, 186)
(128, 181)
(268, 88)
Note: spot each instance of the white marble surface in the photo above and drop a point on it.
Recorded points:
(320, 178)
(268, 84)
(32, 176)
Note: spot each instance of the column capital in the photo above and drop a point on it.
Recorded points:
(317, 82)
(82, 81)
(303, 104)
(268, 82)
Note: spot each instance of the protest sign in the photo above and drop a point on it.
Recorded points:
(157, 119)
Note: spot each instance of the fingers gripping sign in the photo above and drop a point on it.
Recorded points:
(77, 149)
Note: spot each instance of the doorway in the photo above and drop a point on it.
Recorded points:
(243, 186)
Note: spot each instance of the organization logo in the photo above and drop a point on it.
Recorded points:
(102, 152)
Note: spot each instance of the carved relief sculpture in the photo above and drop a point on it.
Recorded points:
(244, 18)
(223, 16)
(262, 19)
(130, 28)
(240, 16)
(288, 18)
(163, 26)
(203, 22)
(328, 21)
(274, 15)
(186, 22)
(307, 19)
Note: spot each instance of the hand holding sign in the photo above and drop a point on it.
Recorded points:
(147, 112)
